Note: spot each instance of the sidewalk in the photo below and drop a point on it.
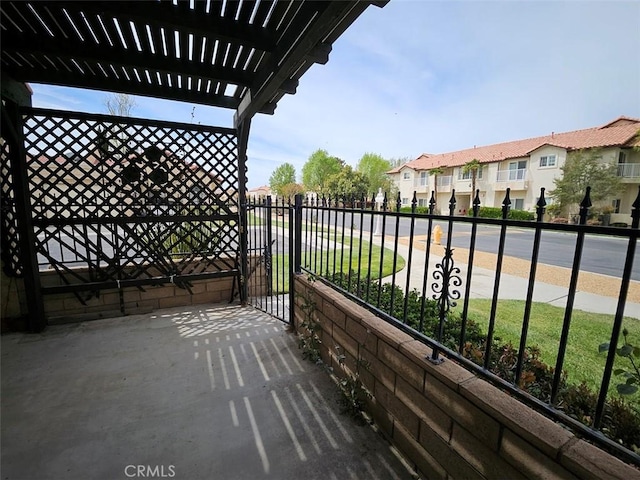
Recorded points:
(511, 286)
(514, 279)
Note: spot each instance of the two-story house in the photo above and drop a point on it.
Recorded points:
(524, 166)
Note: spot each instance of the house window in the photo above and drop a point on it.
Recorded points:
(423, 202)
(468, 175)
(406, 176)
(424, 179)
(548, 161)
(616, 205)
(405, 201)
(517, 170)
(518, 204)
(622, 157)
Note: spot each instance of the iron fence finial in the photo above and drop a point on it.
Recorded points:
(476, 203)
(452, 202)
(506, 204)
(585, 205)
(540, 206)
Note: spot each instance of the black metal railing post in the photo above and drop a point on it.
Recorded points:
(370, 255)
(414, 203)
(540, 208)
(395, 253)
(425, 281)
(268, 242)
(297, 234)
(467, 288)
(573, 284)
(448, 273)
(506, 206)
(617, 322)
(382, 235)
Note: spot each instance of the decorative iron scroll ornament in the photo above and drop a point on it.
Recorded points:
(445, 295)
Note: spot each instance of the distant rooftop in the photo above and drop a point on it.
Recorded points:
(622, 132)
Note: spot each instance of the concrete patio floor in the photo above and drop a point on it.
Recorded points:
(215, 392)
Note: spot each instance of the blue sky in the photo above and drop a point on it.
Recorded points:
(427, 76)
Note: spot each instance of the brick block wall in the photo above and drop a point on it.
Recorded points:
(448, 422)
(62, 308)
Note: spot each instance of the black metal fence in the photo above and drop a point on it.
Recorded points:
(396, 265)
(270, 242)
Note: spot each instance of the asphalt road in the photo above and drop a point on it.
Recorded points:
(601, 254)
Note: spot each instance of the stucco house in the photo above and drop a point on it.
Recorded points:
(524, 166)
(259, 192)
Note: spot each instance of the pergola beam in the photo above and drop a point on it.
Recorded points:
(289, 57)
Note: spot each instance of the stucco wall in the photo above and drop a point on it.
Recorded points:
(445, 420)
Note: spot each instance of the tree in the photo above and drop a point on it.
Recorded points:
(472, 167)
(120, 104)
(291, 190)
(399, 161)
(115, 140)
(581, 169)
(284, 175)
(347, 184)
(435, 172)
(375, 169)
(318, 169)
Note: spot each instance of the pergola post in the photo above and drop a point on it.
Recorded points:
(243, 140)
(12, 132)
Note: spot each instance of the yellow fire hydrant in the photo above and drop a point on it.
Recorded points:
(437, 234)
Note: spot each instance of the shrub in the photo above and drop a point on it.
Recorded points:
(421, 210)
(554, 209)
(620, 421)
(496, 212)
(521, 215)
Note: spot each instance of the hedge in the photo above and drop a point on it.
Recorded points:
(496, 212)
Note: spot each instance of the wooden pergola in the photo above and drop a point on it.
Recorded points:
(242, 55)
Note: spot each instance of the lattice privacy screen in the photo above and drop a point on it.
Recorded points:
(10, 247)
(129, 199)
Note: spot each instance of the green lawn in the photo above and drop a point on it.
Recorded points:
(326, 259)
(587, 332)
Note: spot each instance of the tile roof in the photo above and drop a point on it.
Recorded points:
(622, 131)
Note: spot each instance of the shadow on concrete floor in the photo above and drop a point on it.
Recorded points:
(207, 392)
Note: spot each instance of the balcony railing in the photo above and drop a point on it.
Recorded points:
(421, 184)
(629, 170)
(444, 180)
(511, 175)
